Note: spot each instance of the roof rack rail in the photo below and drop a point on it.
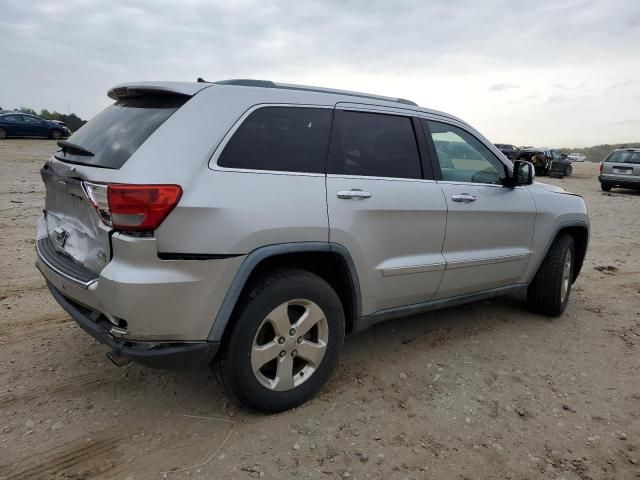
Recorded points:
(246, 82)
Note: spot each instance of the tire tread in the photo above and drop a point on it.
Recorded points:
(544, 293)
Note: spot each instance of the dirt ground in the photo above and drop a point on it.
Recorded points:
(482, 391)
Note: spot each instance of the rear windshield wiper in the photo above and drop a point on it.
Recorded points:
(73, 149)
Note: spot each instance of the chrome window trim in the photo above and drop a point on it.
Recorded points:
(477, 184)
(370, 177)
(215, 155)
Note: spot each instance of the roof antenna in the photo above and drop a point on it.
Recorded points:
(201, 80)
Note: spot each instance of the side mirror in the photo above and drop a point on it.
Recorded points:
(523, 173)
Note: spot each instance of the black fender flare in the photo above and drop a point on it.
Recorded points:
(258, 255)
(561, 226)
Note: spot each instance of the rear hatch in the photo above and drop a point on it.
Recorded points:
(622, 163)
(75, 176)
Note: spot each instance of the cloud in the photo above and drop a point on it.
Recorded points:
(502, 87)
(443, 54)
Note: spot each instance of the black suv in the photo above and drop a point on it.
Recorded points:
(510, 151)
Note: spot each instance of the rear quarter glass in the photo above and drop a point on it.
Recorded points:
(117, 132)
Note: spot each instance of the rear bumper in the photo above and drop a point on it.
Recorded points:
(144, 298)
(620, 180)
(158, 355)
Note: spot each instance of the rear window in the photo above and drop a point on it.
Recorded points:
(623, 156)
(118, 131)
(285, 139)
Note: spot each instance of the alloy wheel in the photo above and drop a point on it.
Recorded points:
(289, 345)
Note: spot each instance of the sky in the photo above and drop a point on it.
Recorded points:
(555, 73)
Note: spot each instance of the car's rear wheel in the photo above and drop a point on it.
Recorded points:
(3, 133)
(549, 292)
(56, 134)
(569, 171)
(606, 187)
(284, 342)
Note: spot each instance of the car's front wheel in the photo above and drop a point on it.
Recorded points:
(56, 134)
(549, 292)
(569, 171)
(284, 341)
(3, 133)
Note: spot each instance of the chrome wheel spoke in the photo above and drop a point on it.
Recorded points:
(312, 315)
(284, 373)
(312, 352)
(279, 319)
(263, 354)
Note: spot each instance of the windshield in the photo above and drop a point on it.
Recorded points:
(624, 156)
(117, 132)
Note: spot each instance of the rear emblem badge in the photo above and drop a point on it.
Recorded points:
(61, 236)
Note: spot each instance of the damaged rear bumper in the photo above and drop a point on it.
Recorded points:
(158, 355)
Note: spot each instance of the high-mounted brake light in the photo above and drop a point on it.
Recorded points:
(133, 207)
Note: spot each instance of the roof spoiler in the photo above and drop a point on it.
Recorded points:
(129, 90)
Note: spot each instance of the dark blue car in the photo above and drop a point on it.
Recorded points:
(15, 124)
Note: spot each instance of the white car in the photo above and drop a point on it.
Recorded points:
(577, 157)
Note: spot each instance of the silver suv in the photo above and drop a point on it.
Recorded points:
(255, 224)
(621, 168)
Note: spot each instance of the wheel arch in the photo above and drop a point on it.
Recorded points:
(330, 261)
(579, 231)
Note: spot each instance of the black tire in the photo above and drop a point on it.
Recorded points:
(234, 360)
(606, 187)
(3, 133)
(56, 134)
(545, 293)
(568, 171)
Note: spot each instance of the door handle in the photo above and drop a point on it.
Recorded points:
(464, 198)
(353, 193)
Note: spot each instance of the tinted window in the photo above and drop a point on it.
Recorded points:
(284, 139)
(375, 145)
(462, 157)
(118, 131)
(11, 118)
(29, 119)
(624, 156)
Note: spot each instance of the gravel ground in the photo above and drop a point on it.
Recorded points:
(486, 390)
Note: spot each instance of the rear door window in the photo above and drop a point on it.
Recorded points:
(117, 132)
(283, 139)
(12, 118)
(374, 145)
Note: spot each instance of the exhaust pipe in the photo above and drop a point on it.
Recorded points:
(117, 358)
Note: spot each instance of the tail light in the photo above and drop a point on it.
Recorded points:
(133, 207)
(601, 167)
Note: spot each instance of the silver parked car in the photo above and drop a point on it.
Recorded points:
(255, 224)
(621, 168)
